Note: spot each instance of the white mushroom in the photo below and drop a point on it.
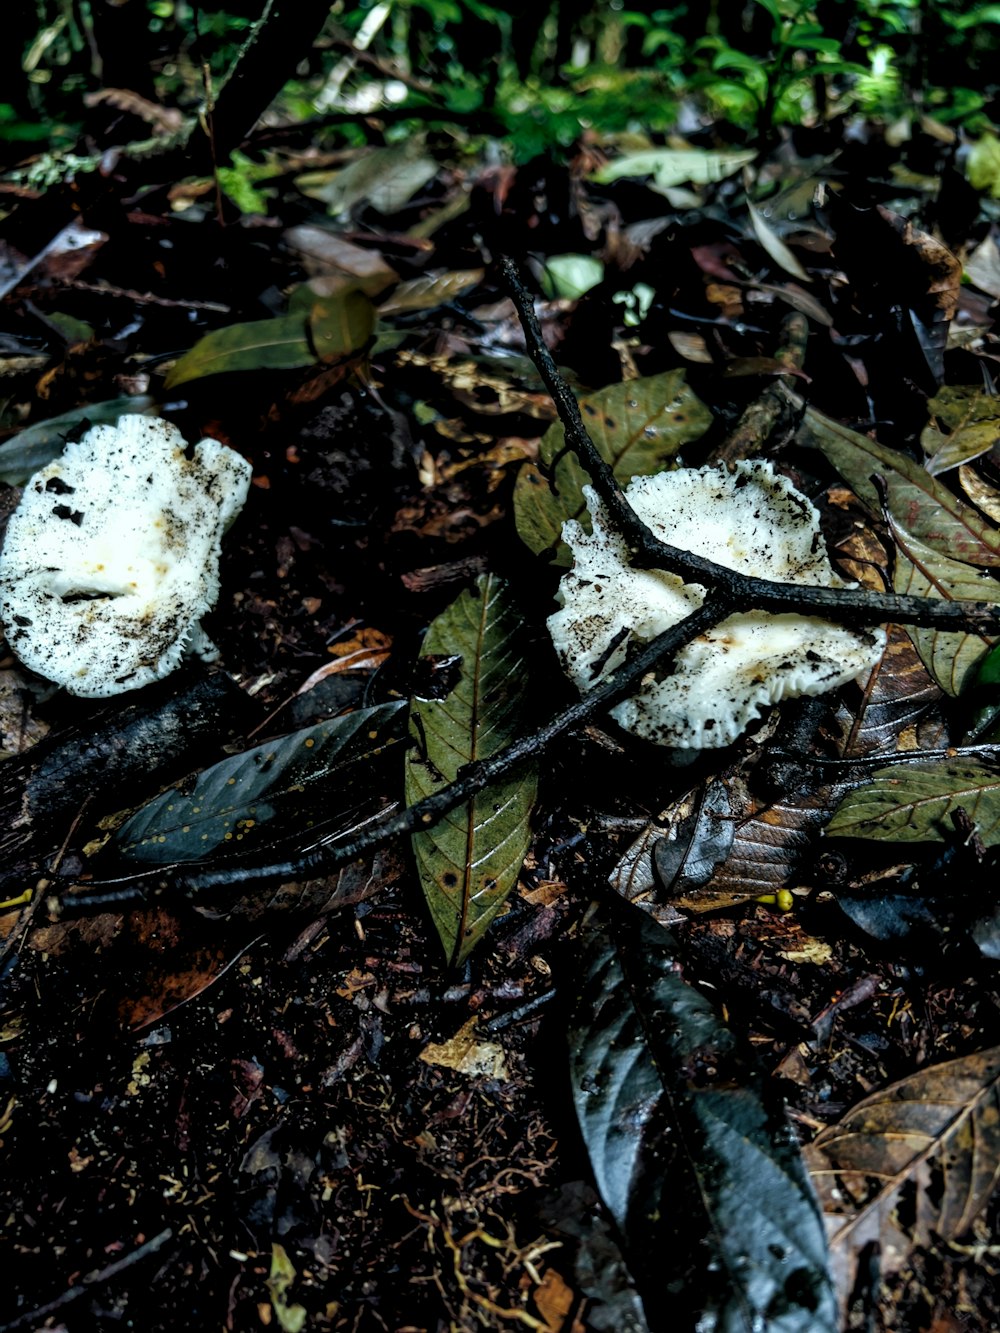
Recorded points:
(750, 520)
(112, 556)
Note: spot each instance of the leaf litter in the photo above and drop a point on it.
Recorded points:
(297, 1067)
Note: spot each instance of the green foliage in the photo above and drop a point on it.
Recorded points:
(469, 861)
(538, 77)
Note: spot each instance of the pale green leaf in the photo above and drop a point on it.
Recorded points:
(927, 508)
(469, 861)
(924, 572)
(916, 803)
(568, 277)
(261, 344)
(291, 1318)
(639, 427)
(675, 166)
(384, 178)
(774, 245)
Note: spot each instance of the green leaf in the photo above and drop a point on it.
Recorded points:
(341, 324)
(924, 505)
(675, 166)
(982, 165)
(569, 276)
(915, 803)
(922, 571)
(313, 775)
(291, 1318)
(971, 421)
(469, 861)
(261, 344)
(639, 427)
(706, 1186)
(38, 445)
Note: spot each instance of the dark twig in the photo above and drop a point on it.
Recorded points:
(471, 779)
(99, 1277)
(852, 605)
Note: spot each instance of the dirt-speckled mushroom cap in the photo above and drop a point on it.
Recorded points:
(751, 520)
(112, 555)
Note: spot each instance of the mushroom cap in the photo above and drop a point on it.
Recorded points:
(112, 555)
(751, 520)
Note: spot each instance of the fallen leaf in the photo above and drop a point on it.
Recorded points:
(638, 427)
(469, 861)
(915, 803)
(938, 1130)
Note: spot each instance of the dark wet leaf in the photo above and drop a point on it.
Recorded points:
(469, 861)
(937, 1130)
(692, 1166)
(38, 445)
(924, 505)
(235, 803)
(639, 428)
(915, 803)
(757, 844)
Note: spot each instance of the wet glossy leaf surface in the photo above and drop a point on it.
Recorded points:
(262, 794)
(669, 1136)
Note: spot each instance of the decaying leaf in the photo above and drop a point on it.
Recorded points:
(939, 1131)
(467, 1053)
(921, 503)
(469, 861)
(639, 428)
(430, 290)
(916, 802)
(965, 422)
(686, 1156)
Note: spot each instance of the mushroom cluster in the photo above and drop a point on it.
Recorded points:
(112, 555)
(751, 520)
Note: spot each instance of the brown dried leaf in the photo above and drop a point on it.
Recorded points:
(938, 1129)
